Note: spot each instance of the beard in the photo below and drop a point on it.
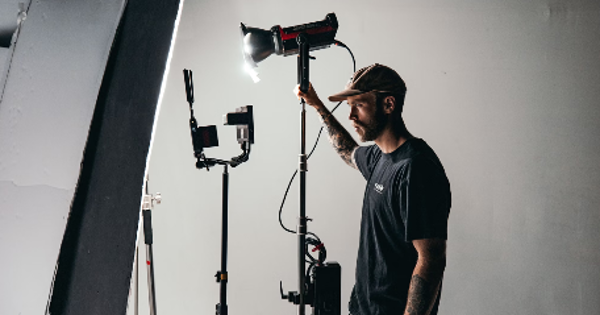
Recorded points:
(371, 129)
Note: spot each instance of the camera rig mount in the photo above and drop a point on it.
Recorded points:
(206, 136)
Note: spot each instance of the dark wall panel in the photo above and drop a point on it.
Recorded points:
(94, 266)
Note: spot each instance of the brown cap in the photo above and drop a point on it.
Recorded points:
(374, 78)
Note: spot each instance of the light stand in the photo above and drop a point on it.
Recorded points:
(222, 274)
(207, 137)
(147, 213)
(147, 205)
(303, 80)
(298, 39)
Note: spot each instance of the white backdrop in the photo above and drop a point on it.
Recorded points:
(506, 92)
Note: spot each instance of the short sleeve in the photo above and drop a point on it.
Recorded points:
(425, 200)
(366, 158)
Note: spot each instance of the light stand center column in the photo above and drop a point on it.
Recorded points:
(303, 59)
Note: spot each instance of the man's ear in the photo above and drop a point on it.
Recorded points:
(389, 104)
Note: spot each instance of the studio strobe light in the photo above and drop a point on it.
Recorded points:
(260, 44)
(286, 41)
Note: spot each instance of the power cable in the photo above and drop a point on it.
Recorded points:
(337, 43)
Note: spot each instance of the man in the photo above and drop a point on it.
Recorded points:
(402, 250)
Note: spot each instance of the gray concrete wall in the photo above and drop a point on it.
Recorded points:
(507, 94)
(48, 104)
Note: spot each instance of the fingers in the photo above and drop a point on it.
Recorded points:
(310, 90)
(310, 96)
(299, 93)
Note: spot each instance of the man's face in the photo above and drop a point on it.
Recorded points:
(367, 116)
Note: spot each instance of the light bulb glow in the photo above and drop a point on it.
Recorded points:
(252, 72)
(248, 49)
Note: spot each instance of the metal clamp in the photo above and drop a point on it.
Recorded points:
(150, 200)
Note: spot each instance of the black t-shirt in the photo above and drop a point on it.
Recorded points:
(407, 197)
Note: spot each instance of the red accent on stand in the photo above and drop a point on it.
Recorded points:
(318, 247)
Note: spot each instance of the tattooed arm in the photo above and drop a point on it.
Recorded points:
(339, 137)
(427, 276)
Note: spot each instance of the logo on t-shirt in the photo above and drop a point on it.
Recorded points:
(379, 188)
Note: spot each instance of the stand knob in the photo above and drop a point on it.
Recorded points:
(157, 198)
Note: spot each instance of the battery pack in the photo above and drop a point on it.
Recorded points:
(328, 283)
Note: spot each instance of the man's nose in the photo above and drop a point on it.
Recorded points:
(352, 114)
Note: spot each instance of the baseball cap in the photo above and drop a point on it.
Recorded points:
(373, 78)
